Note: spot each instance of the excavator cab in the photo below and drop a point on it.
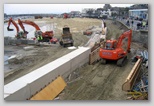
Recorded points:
(110, 44)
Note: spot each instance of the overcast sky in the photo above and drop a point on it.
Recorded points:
(51, 8)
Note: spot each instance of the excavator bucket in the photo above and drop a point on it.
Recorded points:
(10, 29)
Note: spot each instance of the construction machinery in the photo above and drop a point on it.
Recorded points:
(38, 17)
(47, 35)
(65, 16)
(66, 37)
(20, 34)
(116, 50)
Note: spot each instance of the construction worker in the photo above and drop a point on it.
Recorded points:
(144, 24)
(132, 23)
(39, 38)
(128, 22)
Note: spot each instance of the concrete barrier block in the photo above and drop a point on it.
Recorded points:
(26, 86)
(46, 74)
(17, 90)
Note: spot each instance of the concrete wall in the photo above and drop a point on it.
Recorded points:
(24, 87)
(13, 41)
(138, 36)
(141, 37)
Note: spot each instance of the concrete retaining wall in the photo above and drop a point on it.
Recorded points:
(140, 36)
(13, 41)
(23, 88)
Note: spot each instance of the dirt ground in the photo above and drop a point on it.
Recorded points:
(89, 82)
(98, 81)
(41, 55)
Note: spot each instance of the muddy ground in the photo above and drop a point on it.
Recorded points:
(41, 55)
(98, 81)
(89, 82)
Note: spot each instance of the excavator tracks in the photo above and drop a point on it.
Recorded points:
(121, 61)
(103, 61)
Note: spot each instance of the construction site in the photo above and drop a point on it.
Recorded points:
(76, 58)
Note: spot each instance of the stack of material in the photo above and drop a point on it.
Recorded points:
(140, 88)
(143, 54)
(136, 84)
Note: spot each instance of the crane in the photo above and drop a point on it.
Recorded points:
(117, 50)
(20, 34)
(47, 35)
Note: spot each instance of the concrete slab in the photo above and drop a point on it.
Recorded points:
(12, 58)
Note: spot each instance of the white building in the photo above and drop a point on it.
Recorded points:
(140, 13)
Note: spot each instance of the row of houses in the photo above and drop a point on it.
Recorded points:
(96, 13)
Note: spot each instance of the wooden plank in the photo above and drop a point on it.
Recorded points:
(134, 69)
(94, 56)
(50, 91)
(130, 80)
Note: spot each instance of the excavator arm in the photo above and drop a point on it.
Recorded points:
(38, 32)
(47, 34)
(14, 23)
(20, 34)
(22, 26)
(127, 34)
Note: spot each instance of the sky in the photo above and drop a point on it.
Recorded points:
(51, 8)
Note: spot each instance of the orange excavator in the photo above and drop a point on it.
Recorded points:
(20, 34)
(116, 50)
(47, 36)
(65, 16)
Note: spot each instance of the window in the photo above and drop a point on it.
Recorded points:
(108, 45)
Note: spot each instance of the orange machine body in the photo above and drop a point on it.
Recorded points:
(113, 49)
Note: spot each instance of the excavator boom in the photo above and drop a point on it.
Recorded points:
(127, 34)
(20, 34)
(22, 26)
(47, 35)
(29, 23)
